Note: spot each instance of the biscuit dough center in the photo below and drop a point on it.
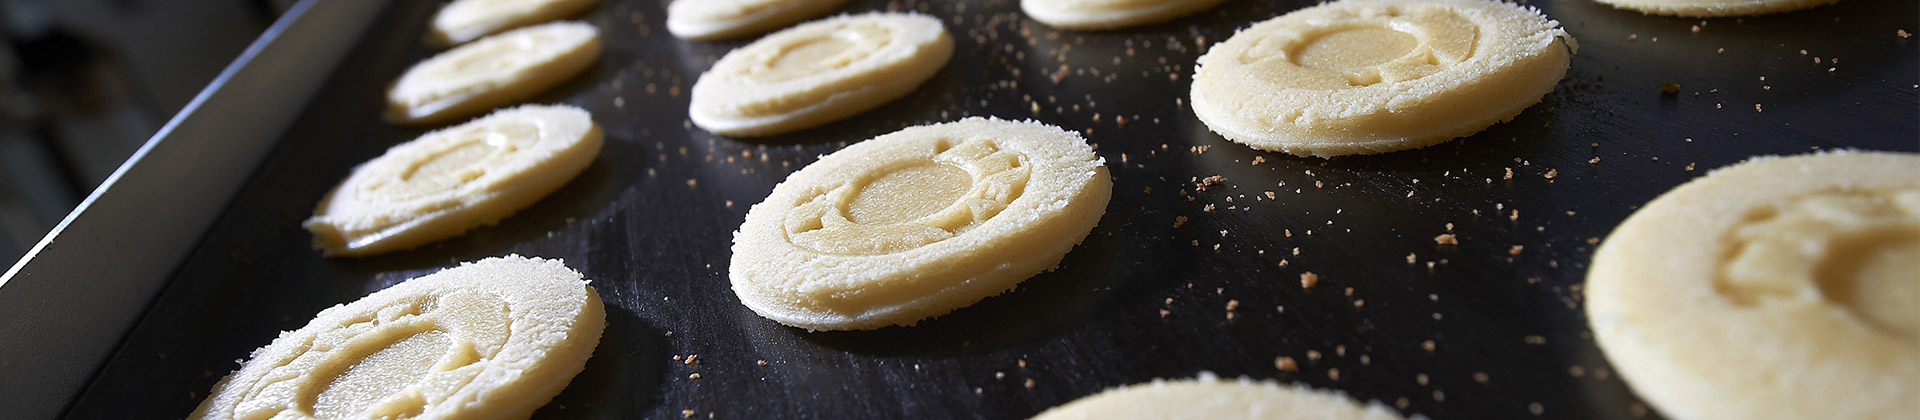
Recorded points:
(381, 374)
(1363, 49)
(844, 45)
(389, 364)
(457, 163)
(908, 193)
(906, 204)
(1859, 250)
(1355, 48)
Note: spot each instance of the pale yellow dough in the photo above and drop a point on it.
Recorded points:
(1713, 8)
(1375, 76)
(466, 20)
(917, 223)
(493, 339)
(1109, 14)
(455, 179)
(1779, 288)
(1210, 398)
(714, 20)
(819, 72)
(492, 72)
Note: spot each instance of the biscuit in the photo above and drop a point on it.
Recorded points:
(1210, 398)
(1375, 76)
(455, 179)
(1778, 288)
(492, 72)
(496, 338)
(819, 72)
(917, 223)
(1109, 14)
(715, 20)
(1713, 8)
(466, 20)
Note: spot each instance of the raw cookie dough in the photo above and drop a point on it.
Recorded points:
(714, 20)
(466, 20)
(1375, 76)
(819, 72)
(1779, 288)
(492, 72)
(1713, 8)
(1210, 398)
(1109, 14)
(455, 179)
(917, 223)
(493, 339)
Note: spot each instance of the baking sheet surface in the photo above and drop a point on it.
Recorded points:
(1466, 331)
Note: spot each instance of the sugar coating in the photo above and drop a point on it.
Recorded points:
(1375, 76)
(1109, 14)
(1778, 288)
(715, 20)
(1713, 8)
(492, 339)
(455, 179)
(492, 72)
(1207, 397)
(917, 223)
(462, 21)
(819, 72)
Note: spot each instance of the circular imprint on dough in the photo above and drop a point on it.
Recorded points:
(495, 71)
(1373, 76)
(1778, 288)
(494, 338)
(917, 223)
(818, 72)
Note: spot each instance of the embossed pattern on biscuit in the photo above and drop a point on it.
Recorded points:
(917, 223)
(455, 179)
(1372, 76)
(714, 20)
(818, 72)
(495, 71)
(1856, 250)
(1777, 288)
(493, 338)
(911, 203)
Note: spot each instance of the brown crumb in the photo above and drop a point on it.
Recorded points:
(1313, 355)
(1209, 182)
(1426, 345)
(1480, 377)
(1179, 220)
(1164, 313)
(1333, 373)
(1696, 29)
(1029, 383)
(1308, 280)
(1552, 173)
(1509, 174)
(1359, 303)
(691, 359)
(1411, 259)
(1233, 304)
(1286, 364)
(1446, 239)
(1515, 250)
(1670, 88)
(1259, 160)
(761, 362)
(694, 376)
(686, 414)
(1902, 33)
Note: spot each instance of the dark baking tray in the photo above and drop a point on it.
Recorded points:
(650, 223)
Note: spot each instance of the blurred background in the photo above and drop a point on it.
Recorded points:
(84, 83)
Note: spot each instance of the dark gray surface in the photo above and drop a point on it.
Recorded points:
(651, 219)
(74, 296)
